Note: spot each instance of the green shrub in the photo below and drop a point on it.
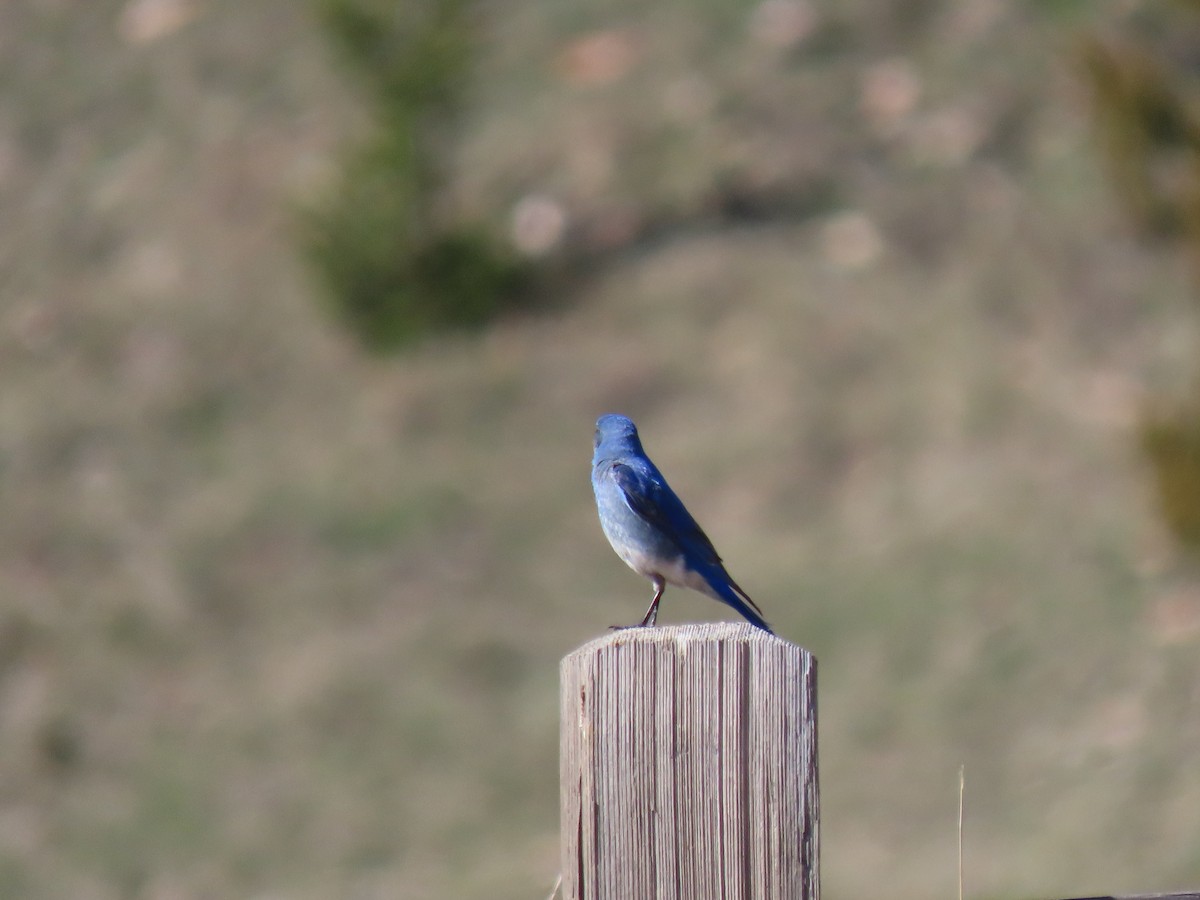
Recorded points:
(393, 266)
(1149, 131)
(1147, 110)
(1171, 442)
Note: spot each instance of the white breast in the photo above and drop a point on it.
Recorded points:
(673, 570)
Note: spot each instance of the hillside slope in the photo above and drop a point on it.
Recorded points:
(282, 619)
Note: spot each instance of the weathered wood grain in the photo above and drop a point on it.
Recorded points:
(689, 766)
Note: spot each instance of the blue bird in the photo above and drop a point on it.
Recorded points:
(649, 526)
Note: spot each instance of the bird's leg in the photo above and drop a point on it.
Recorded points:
(651, 616)
(652, 613)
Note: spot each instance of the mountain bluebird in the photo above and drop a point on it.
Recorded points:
(649, 526)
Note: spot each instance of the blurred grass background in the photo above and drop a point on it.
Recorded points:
(282, 615)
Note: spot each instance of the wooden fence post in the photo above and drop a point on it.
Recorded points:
(689, 766)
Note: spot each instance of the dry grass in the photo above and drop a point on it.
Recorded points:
(283, 620)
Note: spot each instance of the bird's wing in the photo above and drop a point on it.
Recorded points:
(650, 497)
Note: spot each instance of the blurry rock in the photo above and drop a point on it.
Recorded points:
(850, 240)
(948, 137)
(538, 223)
(782, 23)
(143, 21)
(1175, 617)
(889, 93)
(601, 57)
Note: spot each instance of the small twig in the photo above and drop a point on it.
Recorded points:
(557, 885)
(961, 785)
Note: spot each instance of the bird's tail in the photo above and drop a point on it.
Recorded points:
(730, 592)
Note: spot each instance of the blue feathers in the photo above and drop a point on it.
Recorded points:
(650, 528)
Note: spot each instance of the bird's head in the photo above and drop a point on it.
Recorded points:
(616, 435)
